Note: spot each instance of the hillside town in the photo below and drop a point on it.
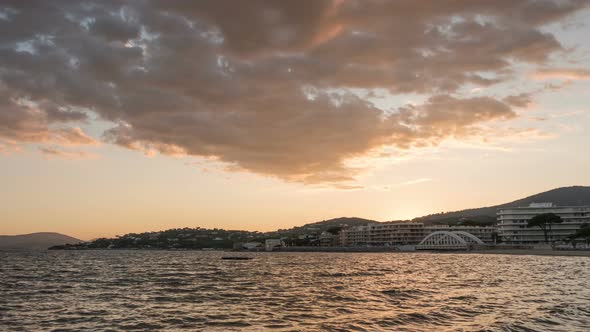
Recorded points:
(511, 230)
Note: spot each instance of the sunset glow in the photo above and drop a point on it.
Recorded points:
(132, 116)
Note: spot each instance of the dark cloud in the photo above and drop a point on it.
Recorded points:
(26, 122)
(252, 27)
(114, 27)
(264, 86)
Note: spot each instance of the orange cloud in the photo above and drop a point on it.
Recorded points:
(72, 136)
(56, 153)
(573, 74)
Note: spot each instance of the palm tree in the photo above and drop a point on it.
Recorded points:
(544, 221)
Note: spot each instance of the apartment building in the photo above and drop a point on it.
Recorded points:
(512, 222)
(391, 233)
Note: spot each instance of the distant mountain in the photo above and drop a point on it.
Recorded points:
(35, 240)
(565, 196)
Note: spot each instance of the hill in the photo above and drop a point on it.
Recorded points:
(325, 225)
(565, 196)
(42, 240)
(199, 238)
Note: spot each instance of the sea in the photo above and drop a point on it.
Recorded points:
(115, 290)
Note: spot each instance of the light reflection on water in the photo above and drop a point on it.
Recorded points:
(163, 290)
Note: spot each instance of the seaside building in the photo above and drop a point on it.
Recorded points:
(396, 233)
(512, 222)
(251, 245)
(411, 233)
(327, 239)
(273, 244)
(355, 236)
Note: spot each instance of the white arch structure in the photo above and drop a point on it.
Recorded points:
(446, 240)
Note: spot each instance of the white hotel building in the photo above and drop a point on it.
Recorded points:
(512, 222)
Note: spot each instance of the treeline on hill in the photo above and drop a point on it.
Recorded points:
(199, 238)
(178, 238)
(189, 238)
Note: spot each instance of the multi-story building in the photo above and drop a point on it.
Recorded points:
(396, 233)
(512, 222)
(391, 233)
(327, 239)
(355, 236)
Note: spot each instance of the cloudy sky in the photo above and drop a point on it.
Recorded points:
(120, 116)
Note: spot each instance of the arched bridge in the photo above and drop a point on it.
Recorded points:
(447, 240)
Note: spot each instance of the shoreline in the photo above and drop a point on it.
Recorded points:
(530, 252)
(522, 252)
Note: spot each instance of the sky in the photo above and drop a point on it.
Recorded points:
(132, 116)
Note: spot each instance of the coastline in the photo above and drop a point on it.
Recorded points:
(523, 252)
(530, 252)
(494, 251)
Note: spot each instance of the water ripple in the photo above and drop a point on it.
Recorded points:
(194, 291)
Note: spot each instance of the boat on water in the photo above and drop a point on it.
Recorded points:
(237, 258)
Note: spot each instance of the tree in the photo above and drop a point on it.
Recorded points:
(583, 232)
(544, 221)
(334, 230)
